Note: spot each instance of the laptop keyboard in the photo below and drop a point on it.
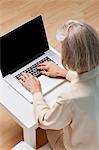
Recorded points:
(33, 69)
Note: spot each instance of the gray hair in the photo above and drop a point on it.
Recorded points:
(80, 46)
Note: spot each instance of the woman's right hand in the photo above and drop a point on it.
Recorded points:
(51, 69)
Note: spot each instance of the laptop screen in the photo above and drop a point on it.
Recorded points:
(22, 45)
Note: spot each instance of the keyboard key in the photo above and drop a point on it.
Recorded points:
(33, 69)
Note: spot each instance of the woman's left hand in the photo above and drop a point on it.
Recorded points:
(30, 82)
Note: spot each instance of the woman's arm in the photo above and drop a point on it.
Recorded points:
(56, 117)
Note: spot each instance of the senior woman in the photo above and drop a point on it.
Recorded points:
(73, 122)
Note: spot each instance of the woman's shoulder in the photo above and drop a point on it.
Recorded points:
(74, 91)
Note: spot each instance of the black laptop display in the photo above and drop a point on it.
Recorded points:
(22, 45)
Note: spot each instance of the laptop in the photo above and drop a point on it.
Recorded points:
(22, 50)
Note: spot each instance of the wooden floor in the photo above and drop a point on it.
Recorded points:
(16, 12)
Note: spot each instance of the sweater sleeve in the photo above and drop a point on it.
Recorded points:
(57, 117)
(72, 75)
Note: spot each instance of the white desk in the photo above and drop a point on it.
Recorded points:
(21, 110)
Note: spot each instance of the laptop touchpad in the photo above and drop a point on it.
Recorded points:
(48, 83)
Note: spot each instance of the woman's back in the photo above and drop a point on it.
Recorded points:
(83, 131)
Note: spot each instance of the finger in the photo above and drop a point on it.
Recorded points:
(43, 64)
(44, 73)
(23, 78)
(22, 82)
(42, 67)
(25, 75)
(35, 78)
(32, 77)
(29, 75)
